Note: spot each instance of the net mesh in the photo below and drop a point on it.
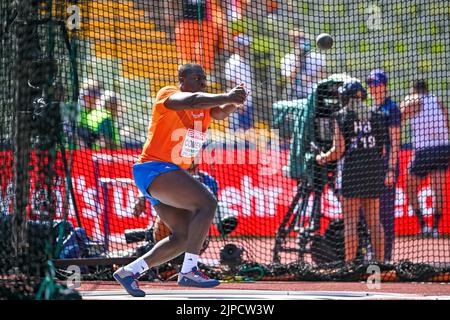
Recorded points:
(78, 82)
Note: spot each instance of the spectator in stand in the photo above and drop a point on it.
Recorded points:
(302, 68)
(90, 93)
(431, 149)
(235, 9)
(291, 64)
(314, 71)
(101, 122)
(237, 71)
(200, 32)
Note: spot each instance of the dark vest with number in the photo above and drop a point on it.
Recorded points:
(363, 171)
(363, 139)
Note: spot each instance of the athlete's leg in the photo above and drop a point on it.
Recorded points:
(387, 216)
(351, 216)
(177, 223)
(160, 229)
(178, 189)
(438, 184)
(372, 213)
(412, 184)
(165, 250)
(417, 172)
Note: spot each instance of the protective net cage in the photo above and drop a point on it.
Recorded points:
(334, 168)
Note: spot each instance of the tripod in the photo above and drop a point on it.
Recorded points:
(295, 218)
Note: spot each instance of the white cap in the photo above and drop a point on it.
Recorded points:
(107, 97)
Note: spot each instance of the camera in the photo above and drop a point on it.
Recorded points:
(226, 224)
(231, 255)
(137, 235)
(328, 103)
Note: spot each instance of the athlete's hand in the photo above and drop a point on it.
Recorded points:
(389, 181)
(229, 106)
(238, 94)
(320, 159)
(139, 207)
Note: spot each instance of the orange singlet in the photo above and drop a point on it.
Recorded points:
(175, 136)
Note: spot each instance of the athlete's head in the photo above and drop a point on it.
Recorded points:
(419, 87)
(352, 89)
(192, 77)
(353, 96)
(377, 82)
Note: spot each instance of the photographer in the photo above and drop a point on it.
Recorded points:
(359, 137)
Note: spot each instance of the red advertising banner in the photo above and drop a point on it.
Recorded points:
(252, 187)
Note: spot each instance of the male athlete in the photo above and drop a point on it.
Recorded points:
(180, 119)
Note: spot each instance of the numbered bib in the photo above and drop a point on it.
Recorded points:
(193, 142)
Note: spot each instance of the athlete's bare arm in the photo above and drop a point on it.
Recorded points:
(201, 100)
(222, 112)
(395, 137)
(445, 113)
(336, 150)
(410, 106)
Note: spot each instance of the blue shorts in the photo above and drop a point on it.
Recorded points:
(430, 159)
(145, 173)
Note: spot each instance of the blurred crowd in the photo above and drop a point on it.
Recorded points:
(235, 43)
